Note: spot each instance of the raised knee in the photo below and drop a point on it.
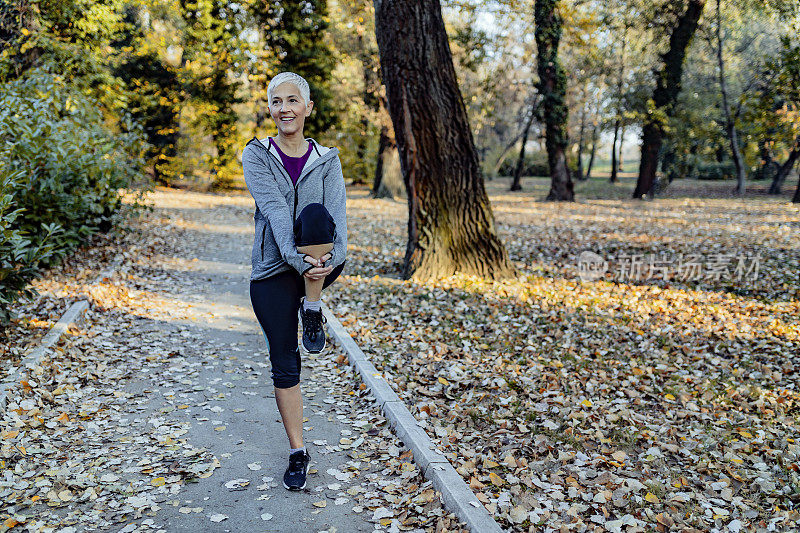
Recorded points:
(314, 210)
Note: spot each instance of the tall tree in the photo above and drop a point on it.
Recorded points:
(553, 88)
(668, 86)
(450, 222)
(730, 121)
(615, 164)
(153, 97)
(516, 183)
(213, 28)
(388, 180)
(784, 95)
(295, 33)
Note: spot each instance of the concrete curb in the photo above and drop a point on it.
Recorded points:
(457, 495)
(72, 315)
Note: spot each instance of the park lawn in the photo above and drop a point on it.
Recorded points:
(646, 404)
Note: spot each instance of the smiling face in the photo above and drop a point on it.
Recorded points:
(288, 109)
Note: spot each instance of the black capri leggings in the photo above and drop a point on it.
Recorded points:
(276, 299)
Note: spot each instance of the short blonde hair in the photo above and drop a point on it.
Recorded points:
(290, 77)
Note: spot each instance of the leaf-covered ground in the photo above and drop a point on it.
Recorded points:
(129, 423)
(568, 405)
(667, 402)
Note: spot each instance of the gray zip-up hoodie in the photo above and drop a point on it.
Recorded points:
(278, 202)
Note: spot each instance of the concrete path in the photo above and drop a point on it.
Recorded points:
(232, 409)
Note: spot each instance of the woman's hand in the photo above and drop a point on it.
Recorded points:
(319, 271)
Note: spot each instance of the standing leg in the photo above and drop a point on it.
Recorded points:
(290, 405)
(275, 302)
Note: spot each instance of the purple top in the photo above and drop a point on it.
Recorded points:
(293, 165)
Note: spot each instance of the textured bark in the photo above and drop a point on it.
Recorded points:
(384, 144)
(450, 222)
(614, 165)
(668, 86)
(730, 124)
(581, 144)
(516, 184)
(785, 169)
(553, 88)
(620, 161)
(796, 198)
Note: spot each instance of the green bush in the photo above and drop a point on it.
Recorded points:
(63, 172)
(19, 256)
(715, 171)
(534, 164)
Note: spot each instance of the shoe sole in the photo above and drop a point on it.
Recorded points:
(324, 344)
(308, 467)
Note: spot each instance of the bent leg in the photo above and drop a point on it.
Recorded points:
(314, 233)
(313, 288)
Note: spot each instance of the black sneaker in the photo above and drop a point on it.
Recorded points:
(313, 332)
(295, 476)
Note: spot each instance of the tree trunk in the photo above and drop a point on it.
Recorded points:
(614, 167)
(377, 181)
(668, 86)
(516, 184)
(371, 101)
(581, 143)
(513, 142)
(503, 154)
(553, 88)
(618, 121)
(785, 169)
(621, 148)
(388, 181)
(796, 199)
(451, 227)
(730, 124)
(591, 155)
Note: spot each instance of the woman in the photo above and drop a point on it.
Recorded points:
(299, 247)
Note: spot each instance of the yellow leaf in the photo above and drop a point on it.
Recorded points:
(220, 428)
(321, 504)
(669, 396)
(10, 434)
(184, 406)
(496, 480)
(652, 498)
(158, 482)
(11, 522)
(746, 434)
(586, 403)
(443, 381)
